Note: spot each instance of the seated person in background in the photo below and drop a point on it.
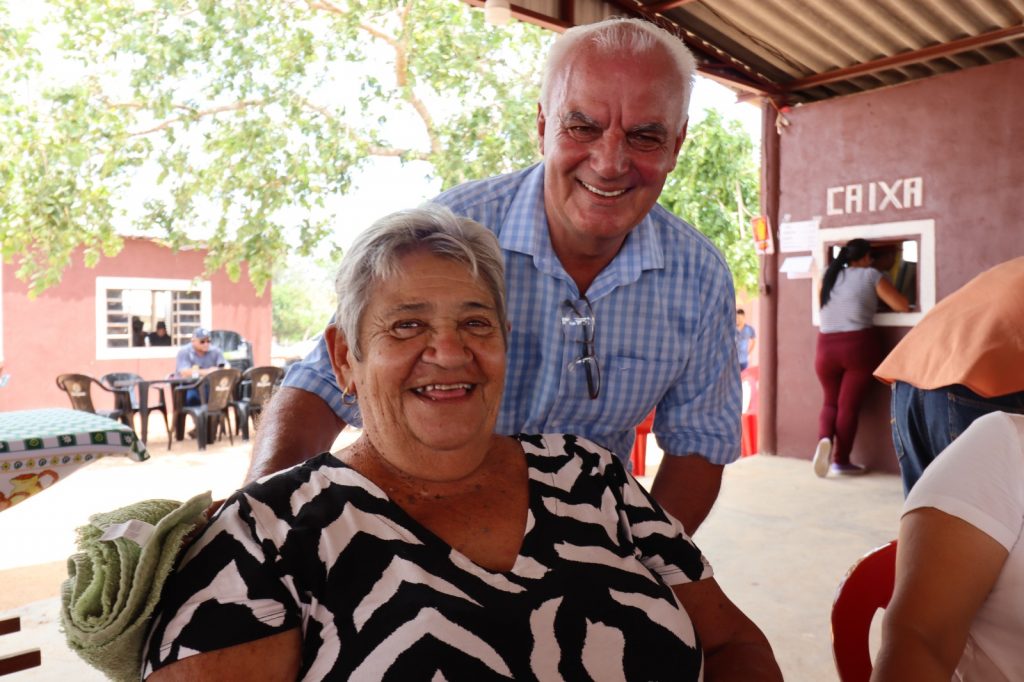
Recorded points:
(958, 603)
(433, 548)
(160, 337)
(197, 358)
(138, 332)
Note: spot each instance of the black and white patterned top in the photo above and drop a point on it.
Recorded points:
(379, 597)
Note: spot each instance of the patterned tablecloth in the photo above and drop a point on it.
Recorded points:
(39, 447)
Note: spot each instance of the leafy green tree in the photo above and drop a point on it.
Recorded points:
(715, 187)
(303, 299)
(235, 122)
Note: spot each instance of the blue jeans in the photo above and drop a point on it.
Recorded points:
(924, 422)
(192, 396)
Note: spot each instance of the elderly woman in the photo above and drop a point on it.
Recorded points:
(433, 548)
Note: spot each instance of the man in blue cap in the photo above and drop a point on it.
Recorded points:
(196, 359)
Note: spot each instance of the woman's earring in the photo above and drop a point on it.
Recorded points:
(348, 398)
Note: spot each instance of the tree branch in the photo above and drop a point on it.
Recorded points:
(401, 66)
(392, 152)
(325, 5)
(201, 113)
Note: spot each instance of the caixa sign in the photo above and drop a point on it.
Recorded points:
(868, 197)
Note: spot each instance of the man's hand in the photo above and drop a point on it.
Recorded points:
(687, 486)
(294, 426)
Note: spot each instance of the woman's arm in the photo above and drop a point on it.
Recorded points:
(891, 295)
(276, 657)
(734, 648)
(945, 568)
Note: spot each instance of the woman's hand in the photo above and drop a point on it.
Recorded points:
(734, 648)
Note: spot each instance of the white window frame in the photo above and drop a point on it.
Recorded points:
(103, 284)
(922, 230)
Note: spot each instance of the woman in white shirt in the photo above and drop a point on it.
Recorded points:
(957, 611)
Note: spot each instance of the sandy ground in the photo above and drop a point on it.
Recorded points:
(780, 541)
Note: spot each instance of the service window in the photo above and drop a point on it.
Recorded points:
(904, 251)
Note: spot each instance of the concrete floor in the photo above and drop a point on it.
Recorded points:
(780, 541)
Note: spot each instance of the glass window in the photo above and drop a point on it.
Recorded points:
(134, 314)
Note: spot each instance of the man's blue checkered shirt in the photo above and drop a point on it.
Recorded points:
(665, 331)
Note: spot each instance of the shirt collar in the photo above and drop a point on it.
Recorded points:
(525, 231)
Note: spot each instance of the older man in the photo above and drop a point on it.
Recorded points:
(616, 306)
(197, 358)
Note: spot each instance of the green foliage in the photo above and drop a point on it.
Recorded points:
(303, 299)
(234, 123)
(715, 188)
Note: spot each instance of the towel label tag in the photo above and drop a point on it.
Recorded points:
(137, 531)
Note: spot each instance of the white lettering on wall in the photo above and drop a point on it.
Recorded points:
(901, 193)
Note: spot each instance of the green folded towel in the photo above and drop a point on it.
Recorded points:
(113, 585)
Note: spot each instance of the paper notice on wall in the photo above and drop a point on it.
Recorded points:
(798, 236)
(797, 267)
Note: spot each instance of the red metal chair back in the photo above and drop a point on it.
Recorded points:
(866, 588)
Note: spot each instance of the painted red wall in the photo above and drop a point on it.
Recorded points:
(55, 333)
(962, 133)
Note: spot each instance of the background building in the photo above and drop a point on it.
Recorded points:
(84, 324)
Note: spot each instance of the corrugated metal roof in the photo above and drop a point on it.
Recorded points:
(807, 50)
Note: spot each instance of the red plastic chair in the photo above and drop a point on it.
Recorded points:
(748, 418)
(866, 588)
(638, 456)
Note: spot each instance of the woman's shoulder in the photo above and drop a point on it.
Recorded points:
(551, 452)
(868, 275)
(305, 480)
(979, 478)
(557, 444)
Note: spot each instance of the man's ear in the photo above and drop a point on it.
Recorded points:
(341, 362)
(540, 127)
(681, 138)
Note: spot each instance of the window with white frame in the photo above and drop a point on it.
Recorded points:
(139, 317)
(904, 250)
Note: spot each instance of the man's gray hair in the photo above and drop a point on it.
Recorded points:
(432, 228)
(615, 35)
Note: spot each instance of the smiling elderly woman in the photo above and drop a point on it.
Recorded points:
(433, 548)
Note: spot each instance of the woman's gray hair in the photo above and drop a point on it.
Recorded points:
(374, 257)
(616, 35)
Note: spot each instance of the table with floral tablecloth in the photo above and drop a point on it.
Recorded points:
(39, 447)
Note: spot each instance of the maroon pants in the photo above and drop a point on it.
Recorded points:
(844, 362)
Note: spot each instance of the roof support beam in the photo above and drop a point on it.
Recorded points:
(667, 5)
(906, 58)
(709, 58)
(567, 12)
(731, 77)
(557, 24)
